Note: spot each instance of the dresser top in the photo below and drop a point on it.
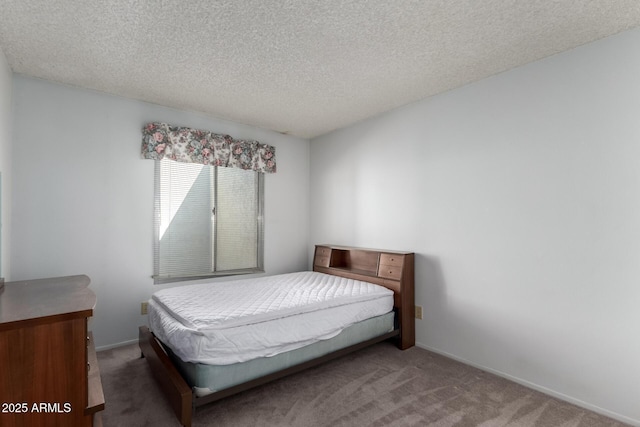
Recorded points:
(353, 248)
(54, 299)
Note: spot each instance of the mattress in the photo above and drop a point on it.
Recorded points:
(205, 379)
(231, 322)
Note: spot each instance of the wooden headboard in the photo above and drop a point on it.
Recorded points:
(391, 269)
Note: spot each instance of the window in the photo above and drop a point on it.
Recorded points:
(208, 221)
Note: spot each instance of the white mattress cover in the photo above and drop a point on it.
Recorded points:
(241, 320)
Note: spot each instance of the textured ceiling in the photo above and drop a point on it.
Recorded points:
(303, 67)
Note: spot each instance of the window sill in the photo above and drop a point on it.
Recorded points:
(160, 280)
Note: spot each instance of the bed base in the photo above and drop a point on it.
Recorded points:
(179, 394)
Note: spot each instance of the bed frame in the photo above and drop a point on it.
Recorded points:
(394, 270)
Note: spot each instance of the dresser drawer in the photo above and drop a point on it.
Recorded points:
(323, 251)
(391, 259)
(322, 261)
(390, 272)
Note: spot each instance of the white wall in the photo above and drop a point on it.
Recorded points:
(520, 195)
(83, 197)
(5, 165)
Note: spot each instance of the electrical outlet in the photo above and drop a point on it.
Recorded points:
(143, 307)
(418, 312)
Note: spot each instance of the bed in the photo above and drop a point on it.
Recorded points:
(208, 341)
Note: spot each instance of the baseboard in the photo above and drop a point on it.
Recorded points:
(120, 344)
(536, 387)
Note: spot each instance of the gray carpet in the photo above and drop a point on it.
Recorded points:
(378, 386)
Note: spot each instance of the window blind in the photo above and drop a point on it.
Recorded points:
(208, 221)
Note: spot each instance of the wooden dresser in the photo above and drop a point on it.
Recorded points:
(49, 372)
(393, 270)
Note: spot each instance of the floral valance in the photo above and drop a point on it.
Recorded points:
(159, 140)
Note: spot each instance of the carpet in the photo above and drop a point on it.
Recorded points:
(377, 386)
